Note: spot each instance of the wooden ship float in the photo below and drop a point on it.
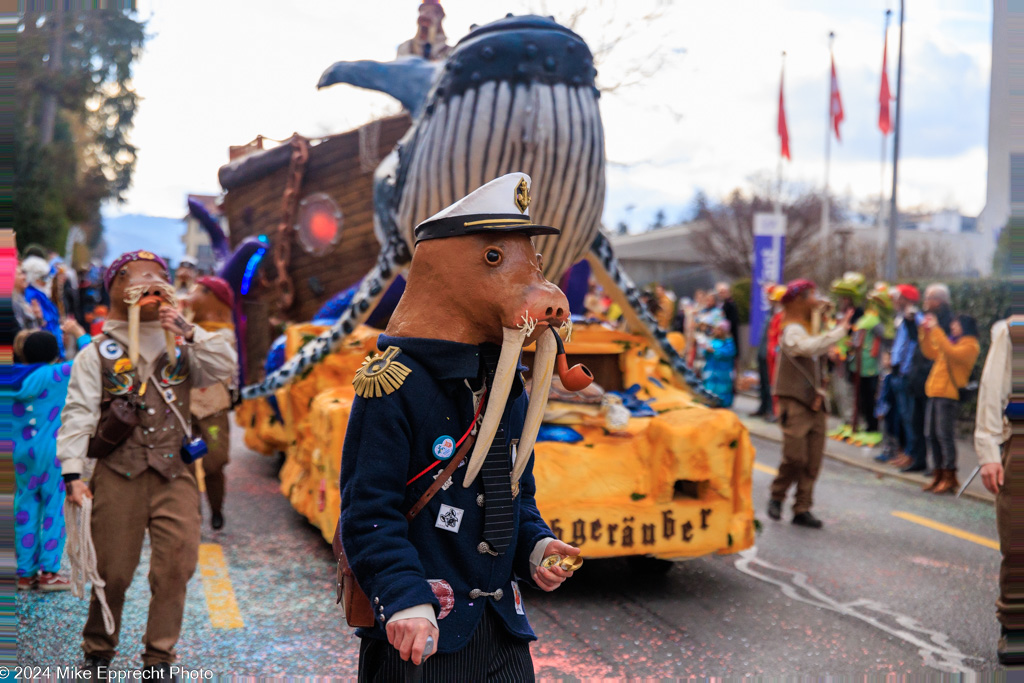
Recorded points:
(638, 466)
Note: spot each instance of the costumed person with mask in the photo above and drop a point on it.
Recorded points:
(446, 384)
(211, 303)
(37, 395)
(128, 405)
(800, 389)
(430, 42)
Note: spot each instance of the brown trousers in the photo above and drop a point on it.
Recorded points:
(216, 431)
(123, 509)
(1010, 521)
(803, 447)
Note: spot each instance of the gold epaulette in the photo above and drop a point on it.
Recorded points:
(380, 374)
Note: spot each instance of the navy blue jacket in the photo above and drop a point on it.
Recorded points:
(390, 440)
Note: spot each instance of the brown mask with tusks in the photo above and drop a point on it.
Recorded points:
(481, 288)
(137, 293)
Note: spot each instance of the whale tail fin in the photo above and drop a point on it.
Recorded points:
(407, 79)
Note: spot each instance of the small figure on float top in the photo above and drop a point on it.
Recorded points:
(430, 42)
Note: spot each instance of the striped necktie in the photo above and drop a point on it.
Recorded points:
(495, 473)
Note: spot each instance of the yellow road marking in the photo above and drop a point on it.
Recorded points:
(951, 530)
(765, 468)
(220, 596)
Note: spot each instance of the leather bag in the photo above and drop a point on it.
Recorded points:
(114, 428)
(353, 600)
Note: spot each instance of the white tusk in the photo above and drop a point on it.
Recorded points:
(543, 371)
(134, 322)
(504, 375)
(172, 348)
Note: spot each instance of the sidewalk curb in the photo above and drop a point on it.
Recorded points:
(772, 434)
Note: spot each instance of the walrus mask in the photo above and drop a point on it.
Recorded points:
(138, 290)
(479, 288)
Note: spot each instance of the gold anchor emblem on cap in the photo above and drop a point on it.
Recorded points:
(522, 198)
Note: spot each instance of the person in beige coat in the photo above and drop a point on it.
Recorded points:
(150, 357)
(1002, 473)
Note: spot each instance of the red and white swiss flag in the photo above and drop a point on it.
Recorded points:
(836, 113)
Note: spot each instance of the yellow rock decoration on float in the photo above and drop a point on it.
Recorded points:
(675, 485)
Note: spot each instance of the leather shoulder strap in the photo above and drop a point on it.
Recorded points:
(445, 475)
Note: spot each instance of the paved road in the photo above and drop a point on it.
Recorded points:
(873, 593)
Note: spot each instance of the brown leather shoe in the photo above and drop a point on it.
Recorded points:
(948, 484)
(940, 474)
(901, 461)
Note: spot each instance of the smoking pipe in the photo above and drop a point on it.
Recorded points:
(576, 378)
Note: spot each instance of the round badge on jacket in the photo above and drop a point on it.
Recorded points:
(111, 350)
(444, 447)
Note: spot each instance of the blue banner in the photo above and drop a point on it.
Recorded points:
(769, 253)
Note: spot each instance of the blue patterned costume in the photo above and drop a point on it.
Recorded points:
(39, 499)
(720, 357)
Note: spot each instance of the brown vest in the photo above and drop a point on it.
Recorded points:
(156, 441)
(799, 378)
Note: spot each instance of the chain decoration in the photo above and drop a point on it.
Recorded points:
(289, 205)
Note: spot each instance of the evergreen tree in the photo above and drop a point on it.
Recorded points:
(75, 110)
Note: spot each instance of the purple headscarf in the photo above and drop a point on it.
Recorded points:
(121, 260)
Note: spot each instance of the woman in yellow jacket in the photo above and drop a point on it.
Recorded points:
(954, 358)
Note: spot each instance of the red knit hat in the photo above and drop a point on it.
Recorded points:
(795, 288)
(220, 288)
(909, 292)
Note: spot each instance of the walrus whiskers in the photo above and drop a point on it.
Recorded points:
(136, 297)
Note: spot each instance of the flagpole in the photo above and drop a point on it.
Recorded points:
(778, 189)
(825, 227)
(890, 256)
(881, 184)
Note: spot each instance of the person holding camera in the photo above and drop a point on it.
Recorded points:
(953, 357)
(800, 389)
(128, 407)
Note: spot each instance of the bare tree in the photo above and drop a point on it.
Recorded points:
(622, 25)
(727, 241)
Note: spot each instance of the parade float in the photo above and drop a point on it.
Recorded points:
(637, 465)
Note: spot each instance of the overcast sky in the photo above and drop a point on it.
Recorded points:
(216, 74)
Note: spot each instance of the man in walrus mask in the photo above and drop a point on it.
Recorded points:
(447, 387)
(151, 357)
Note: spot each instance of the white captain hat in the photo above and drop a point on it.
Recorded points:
(501, 205)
